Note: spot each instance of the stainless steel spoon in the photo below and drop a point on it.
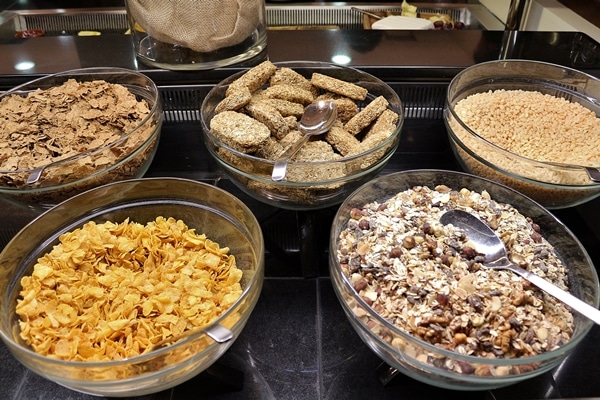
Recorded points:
(317, 119)
(370, 14)
(218, 333)
(491, 246)
(593, 174)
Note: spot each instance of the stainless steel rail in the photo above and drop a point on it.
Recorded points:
(57, 22)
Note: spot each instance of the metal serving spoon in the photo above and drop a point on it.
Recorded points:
(370, 14)
(593, 173)
(218, 333)
(317, 119)
(491, 246)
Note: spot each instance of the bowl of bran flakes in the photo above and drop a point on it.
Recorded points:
(530, 125)
(72, 131)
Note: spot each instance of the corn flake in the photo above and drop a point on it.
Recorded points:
(111, 291)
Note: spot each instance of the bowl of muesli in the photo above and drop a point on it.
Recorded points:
(531, 125)
(69, 132)
(252, 117)
(419, 296)
(131, 288)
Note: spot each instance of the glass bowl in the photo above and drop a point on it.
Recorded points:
(444, 367)
(125, 155)
(210, 210)
(309, 189)
(553, 184)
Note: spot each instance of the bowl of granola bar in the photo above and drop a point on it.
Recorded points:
(133, 287)
(65, 133)
(252, 117)
(417, 294)
(531, 125)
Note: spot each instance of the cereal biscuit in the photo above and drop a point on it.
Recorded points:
(237, 161)
(378, 133)
(346, 108)
(315, 150)
(292, 137)
(271, 149)
(239, 131)
(236, 99)
(285, 108)
(254, 78)
(338, 86)
(373, 141)
(270, 117)
(298, 195)
(373, 157)
(385, 124)
(290, 93)
(258, 95)
(292, 123)
(367, 115)
(341, 140)
(286, 75)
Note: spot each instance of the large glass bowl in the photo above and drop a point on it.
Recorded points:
(422, 360)
(554, 185)
(127, 157)
(210, 210)
(252, 174)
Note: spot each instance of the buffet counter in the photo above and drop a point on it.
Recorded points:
(298, 343)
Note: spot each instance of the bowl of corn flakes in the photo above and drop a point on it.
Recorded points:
(132, 287)
(65, 133)
(252, 117)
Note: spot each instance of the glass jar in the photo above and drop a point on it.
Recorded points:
(196, 34)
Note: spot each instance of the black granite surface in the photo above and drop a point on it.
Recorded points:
(297, 343)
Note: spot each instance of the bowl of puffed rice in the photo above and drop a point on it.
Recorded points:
(75, 130)
(252, 117)
(531, 125)
(418, 295)
(133, 287)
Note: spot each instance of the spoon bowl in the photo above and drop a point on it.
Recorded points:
(318, 118)
(495, 256)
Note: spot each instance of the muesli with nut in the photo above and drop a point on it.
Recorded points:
(426, 278)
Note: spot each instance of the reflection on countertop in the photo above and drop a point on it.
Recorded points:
(298, 343)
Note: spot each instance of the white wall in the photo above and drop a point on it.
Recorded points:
(546, 15)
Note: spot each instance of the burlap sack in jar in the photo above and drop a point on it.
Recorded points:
(200, 25)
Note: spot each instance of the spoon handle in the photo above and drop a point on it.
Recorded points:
(217, 332)
(280, 166)
(566, 297)
(370, 14)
